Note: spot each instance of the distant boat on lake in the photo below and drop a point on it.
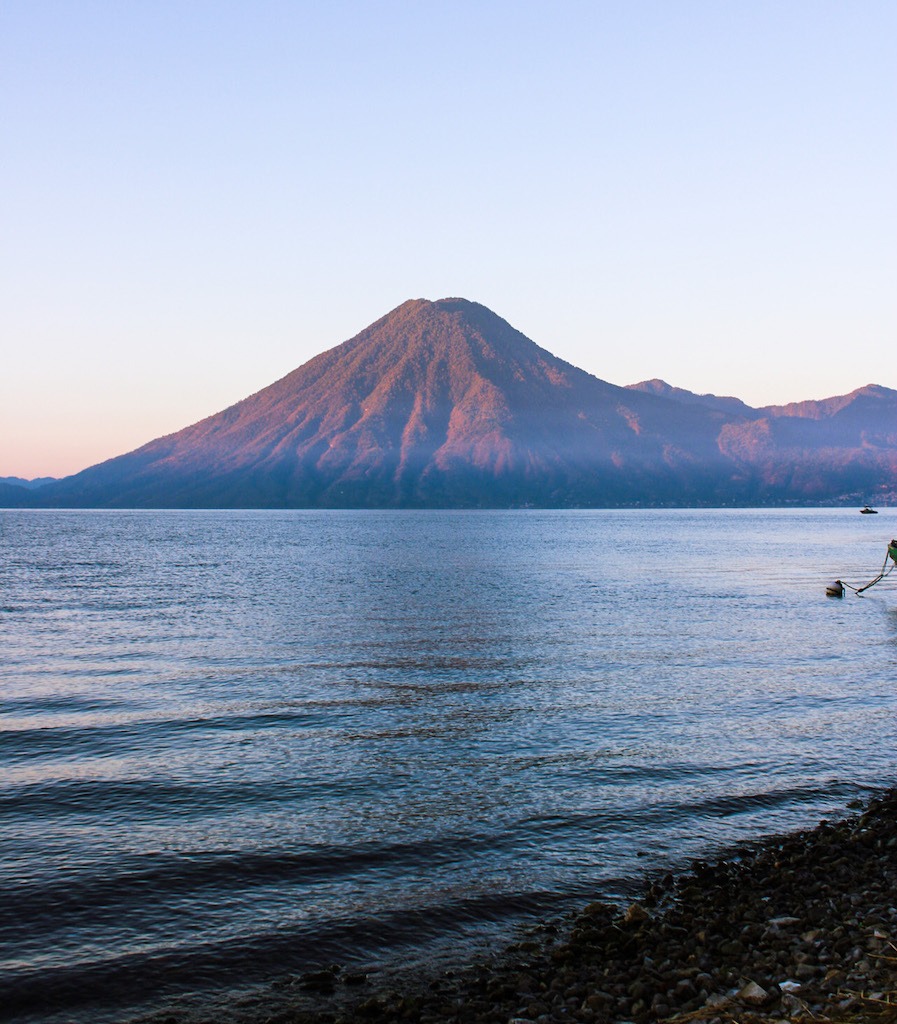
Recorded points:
(866, 511)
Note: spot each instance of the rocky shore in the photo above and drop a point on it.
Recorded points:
(800, 927)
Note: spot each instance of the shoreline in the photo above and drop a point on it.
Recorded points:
(794, 927)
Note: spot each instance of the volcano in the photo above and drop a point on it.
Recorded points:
(444, 404)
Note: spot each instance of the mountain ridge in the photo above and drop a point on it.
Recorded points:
(444, 403)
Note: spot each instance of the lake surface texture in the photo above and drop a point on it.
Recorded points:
(237, 745)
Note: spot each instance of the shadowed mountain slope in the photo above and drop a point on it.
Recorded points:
(15, 496)
(445, 404)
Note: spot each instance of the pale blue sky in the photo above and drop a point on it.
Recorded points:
(199, 196)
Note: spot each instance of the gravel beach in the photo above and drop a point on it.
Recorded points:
(801, 927)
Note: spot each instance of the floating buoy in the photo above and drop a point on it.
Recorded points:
(835, 589)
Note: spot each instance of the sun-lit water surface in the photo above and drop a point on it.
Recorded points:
(237, 744)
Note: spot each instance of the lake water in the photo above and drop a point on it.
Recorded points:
(236, 745)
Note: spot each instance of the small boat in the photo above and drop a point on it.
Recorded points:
(868, 511)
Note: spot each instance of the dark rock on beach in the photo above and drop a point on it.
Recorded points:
(800, 927)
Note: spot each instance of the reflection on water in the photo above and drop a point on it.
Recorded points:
(237, 739)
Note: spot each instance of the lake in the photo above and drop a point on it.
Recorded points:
(239, 745)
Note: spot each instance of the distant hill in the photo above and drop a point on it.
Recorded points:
(18, 481)
(844, 446)
(444, 404)
(729, 406)
(16, 492)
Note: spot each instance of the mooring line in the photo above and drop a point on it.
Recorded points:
(886, 571)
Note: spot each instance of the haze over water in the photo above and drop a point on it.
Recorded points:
(236, 745)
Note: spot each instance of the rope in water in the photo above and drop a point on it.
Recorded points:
(886, 571)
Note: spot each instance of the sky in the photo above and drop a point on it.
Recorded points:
(198, 197)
